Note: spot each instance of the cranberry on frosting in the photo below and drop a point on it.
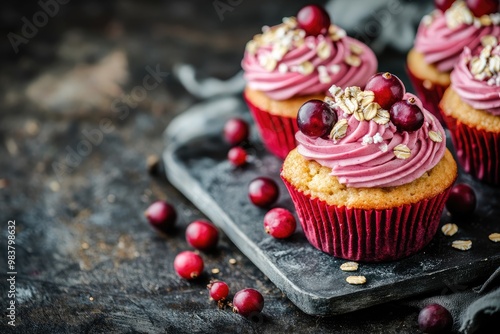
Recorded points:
(286, 60)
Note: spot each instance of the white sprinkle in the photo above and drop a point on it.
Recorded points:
(378, 138)
(383, 147)
(427, 20)
(322, 69)
(310, 44)
(367, 139)
(495, 18)
(287, 41)
(324, 78)
(335, 69)
(280, 32)
(283, 68)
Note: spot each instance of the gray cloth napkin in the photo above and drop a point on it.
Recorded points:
(475, 310)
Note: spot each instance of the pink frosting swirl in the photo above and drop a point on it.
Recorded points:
(359, 164)
(442, 45)
(282, 84)
(479, 94)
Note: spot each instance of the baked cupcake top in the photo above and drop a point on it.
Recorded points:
(442, 35)
(290, 60)
(369, 146)
(476, 77)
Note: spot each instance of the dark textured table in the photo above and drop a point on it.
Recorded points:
(85, 100)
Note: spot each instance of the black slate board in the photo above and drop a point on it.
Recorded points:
(195, 162)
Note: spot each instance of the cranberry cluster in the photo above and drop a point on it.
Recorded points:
(246, 302)
(316, 118)
(203, 236)
(262, 191)
(235, 133)
(477, 7)
(389, 92)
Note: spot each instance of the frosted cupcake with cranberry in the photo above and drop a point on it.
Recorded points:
(441, 38)
(371, 172)
(293, 62)
(471, 109)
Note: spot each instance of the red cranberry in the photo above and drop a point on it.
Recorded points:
(263, 191)
(462, 200)
(279, 223)
(387, 87)
(236, 131)
(435, 318)
(161, 215)
(218, 290)
(314, 20)
(237, 156)
(202, 235)
(315, 118)
(188, 265)
(406, 115)
(248, 302)
(443, 5)
(483, 7)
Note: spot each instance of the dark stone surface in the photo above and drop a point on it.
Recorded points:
(86, 260)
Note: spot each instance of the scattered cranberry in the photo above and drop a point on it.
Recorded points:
(462, 200)
(406, 115)
(315, 118)
(236, 131)
(248, 302)
(218, 290)
(237, 156)
(161, 215)
(482, 7)
(279, 223)
(263, 191)
(314, 20)
(387, 87)
(202, 235)
(443, 5)
(435, 318)
(188, 265)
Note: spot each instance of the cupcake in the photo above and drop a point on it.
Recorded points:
(471, 110)
(293, 62)
(440, 39)
(369, 183)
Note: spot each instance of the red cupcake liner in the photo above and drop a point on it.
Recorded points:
(477, 151)
(429, 93)
(368, 235)
(277, 132)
